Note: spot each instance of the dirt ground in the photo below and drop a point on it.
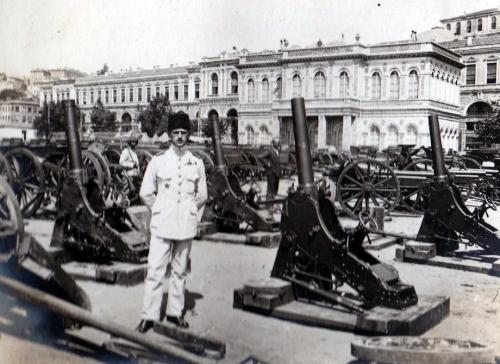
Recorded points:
(219, 268)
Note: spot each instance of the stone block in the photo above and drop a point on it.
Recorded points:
(419, 251)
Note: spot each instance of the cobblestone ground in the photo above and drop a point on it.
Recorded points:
(217, 269)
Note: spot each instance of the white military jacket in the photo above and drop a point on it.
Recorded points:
(173, 187)
(127, 159)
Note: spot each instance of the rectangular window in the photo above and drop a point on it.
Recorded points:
(115, 99)
(67, 95)
(196, 90)
(186, 92)
(139, 94)
(123, 95)
(99, 95)
(167, 93)
(479, 25)
(148, 94)
(92, 97)
(85, 97)
(176, 92)
(77, 98)
(470, 76)
(157, 91)
(131, 95)
(491, 73)
(45, 98)
(107, 96)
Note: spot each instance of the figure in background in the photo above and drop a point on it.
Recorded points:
(271, 159)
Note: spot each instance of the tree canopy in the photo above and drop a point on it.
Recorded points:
(11, 94)
(154, 117)
(102, 119)
(57, 119)
(488, 128)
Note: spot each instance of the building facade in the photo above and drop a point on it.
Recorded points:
(476, 38)
(16, 118)
(355, 95)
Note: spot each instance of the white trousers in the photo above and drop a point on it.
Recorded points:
(161, 252)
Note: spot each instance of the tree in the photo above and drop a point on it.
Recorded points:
(154, 118)
(57, 119)
(488, 128)
(206, 128)
(102, 119)
(103, 70)
(11, 94)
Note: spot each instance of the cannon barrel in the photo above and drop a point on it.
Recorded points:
(437, 149)
(302, 150)
(74, 149)
(217, 144)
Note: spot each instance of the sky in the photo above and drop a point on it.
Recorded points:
(85, 34)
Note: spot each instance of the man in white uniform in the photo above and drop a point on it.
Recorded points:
(174, 187)
(129, 159)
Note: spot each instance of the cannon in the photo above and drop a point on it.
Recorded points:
(447, 221)
(84, 224)
(227, 204)
(316, 254)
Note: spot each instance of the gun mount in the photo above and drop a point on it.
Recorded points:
(227, 201)
(317, 255)
(84, 224)
(447, 220)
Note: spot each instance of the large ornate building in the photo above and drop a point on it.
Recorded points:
(355, 94)
(476, 38)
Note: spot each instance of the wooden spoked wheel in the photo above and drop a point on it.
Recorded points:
(28, 181)
(93, 168)
(11, 219)
(365, 183)
(422, 164)
(106, 173)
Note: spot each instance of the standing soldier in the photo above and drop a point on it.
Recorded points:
(272, 162)
(174, 187)
(130, 161)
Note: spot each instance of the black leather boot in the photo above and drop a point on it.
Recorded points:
(144, 326)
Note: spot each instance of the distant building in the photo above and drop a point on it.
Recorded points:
(16, 118)
(12, 83)
(45, 78)
(476, 38)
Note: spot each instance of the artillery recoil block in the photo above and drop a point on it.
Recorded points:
(264, 297)
(417, 251)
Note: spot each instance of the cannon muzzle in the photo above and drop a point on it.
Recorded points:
(217, 144)
(437, 149)
(302, 150)
(74, 148)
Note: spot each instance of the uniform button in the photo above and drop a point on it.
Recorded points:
(178, 201)
(179, 193)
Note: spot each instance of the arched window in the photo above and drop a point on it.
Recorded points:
(234, 82)
(394, 85)
(392, 135)
(344, 84)
(278, 90)
(296, 86)
(251, 92)
(250, 136)
(412, 135)
(265, 90)
(376, 86)
(319, 85)
(457, 28)
(448, 26)
(375, 136)
(265, 136)
(215, 84)
(493, 22)
(469, 26)
(413, 85)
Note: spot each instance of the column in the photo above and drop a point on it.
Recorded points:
(346, 132)
(321, 131)
(275, 126)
